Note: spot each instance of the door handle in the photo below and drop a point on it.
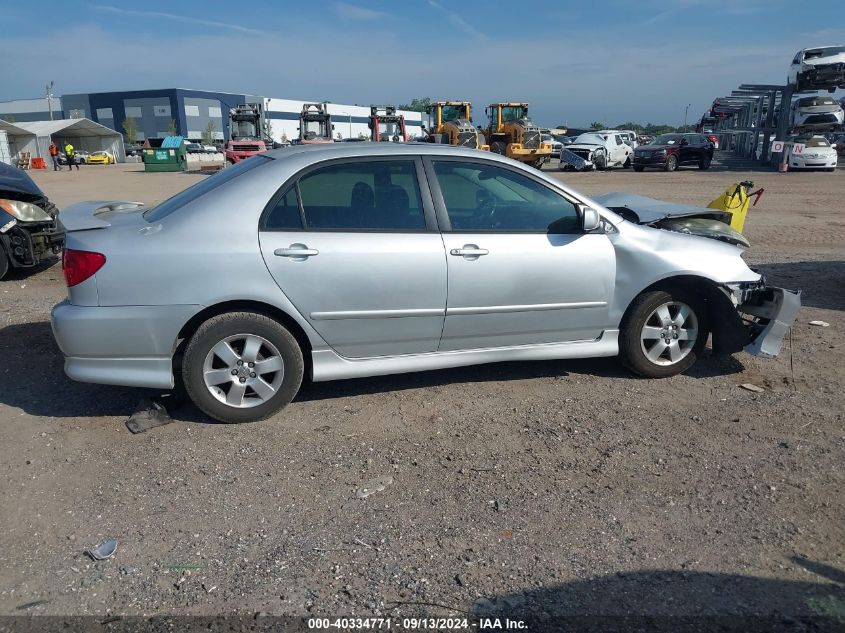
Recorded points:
(469, 250)
(296, 251)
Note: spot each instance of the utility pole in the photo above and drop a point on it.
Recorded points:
(50, 99)
(686, 110)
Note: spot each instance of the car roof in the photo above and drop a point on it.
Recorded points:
(327, 151)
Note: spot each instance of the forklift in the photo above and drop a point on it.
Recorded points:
(315, 124)
(386, 126)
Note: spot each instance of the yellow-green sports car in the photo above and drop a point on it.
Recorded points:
(100, 158)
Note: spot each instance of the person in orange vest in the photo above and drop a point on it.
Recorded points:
(54, 154)
(70, 155)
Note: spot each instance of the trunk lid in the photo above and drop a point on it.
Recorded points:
(100, 214)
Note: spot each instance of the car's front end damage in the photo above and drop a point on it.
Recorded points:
(29, 230)
(746, 313)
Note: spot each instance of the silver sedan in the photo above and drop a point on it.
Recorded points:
(347, 260)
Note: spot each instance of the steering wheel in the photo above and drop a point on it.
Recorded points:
(485, 208)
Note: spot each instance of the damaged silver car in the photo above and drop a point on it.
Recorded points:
(342, 261)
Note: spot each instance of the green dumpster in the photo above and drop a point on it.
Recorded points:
(170, 156)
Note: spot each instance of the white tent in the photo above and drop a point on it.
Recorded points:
(17, 140)
(84, 134)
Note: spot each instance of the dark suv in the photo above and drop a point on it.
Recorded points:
(670, 151)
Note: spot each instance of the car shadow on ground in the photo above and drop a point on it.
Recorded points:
(822, 284)
(677, 601)
(41, 388)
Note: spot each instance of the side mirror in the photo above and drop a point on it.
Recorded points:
(590, 219)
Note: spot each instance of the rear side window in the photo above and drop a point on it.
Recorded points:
(368, 196)
(285, 213)
(201, 188)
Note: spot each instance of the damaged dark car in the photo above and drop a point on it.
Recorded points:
(29, 230)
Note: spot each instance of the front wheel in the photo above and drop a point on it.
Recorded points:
(671, 163)
(242, 367)
(663, 333)
(600, 161)
(705, 161)
(638, 168)
(627, 163)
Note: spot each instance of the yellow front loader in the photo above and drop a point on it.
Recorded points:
(451, 124)
(511, 133)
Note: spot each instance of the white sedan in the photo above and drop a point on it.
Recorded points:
(597, 150)
(816, 153)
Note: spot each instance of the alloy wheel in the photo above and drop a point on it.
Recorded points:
(243, 370)
(669, 334)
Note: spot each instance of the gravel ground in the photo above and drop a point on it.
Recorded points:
(560, 488)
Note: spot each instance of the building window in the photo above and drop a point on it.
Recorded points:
(161, 110)
(194, 134)
(133, 112)
(192, 110)
(104, 113)
(214, 112)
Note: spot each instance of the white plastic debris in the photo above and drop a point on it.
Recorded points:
(749, 387)
(373, 486)
(820, 323)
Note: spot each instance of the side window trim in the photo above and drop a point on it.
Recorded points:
(268, 209)
(428, 206)
(440, 202)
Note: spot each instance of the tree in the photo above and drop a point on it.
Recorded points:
(130, 129)
(417, 105)
(208, 134)
(597, 125)
(172, 129)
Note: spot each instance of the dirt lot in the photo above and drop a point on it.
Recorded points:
(557, 487)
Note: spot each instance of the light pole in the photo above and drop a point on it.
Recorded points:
(686, 110)
(50, 99)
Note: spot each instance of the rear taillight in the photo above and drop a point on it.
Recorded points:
(80, 265)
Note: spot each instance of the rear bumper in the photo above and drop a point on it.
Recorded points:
(120, 345)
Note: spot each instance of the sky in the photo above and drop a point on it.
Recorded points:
(575, 62)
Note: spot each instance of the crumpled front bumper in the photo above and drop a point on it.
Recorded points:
(768, 312)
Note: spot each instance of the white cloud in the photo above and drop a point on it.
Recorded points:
(458, 21)
(185, 19)
(353, 12)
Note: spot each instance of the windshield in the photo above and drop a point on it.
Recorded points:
(815, 101)
(816, 141)
(513, 113)
(815, 53)
(314, 129)
(452, 113)
(203, 187)
(243, 129)
(667, 139)
(590, 139)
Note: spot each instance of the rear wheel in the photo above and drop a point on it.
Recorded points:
(663, 333)
(242, 367)
(704, 162)
(671, 163)
(638, 168)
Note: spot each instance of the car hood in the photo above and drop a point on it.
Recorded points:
(584, 145)
(671, 216)
(17, 181)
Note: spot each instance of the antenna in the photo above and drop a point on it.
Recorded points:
(49, 91)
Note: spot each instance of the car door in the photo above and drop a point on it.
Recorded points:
(354, 245)
(520, 269)
(619, 149)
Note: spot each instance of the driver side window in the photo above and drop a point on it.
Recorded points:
(482, 197)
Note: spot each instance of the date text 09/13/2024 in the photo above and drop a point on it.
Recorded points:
(417, 624)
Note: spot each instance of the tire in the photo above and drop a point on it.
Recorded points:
(269, 341)
(704, 162)
(635, 342)
(671, 163)
(5, 264)
(627, 164)
(638, 168)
